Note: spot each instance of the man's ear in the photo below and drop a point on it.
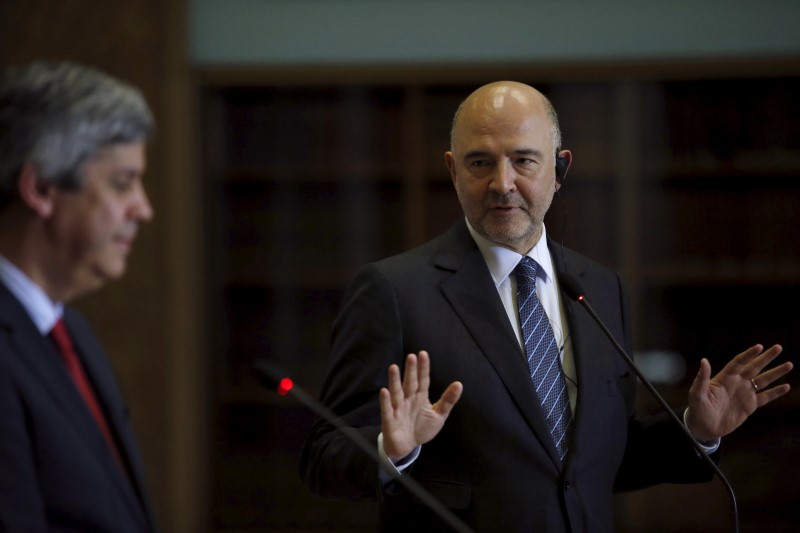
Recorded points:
(38, 196)
(451, 165)
(563, 162)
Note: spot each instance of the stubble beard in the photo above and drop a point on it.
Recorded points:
(508, 233)
(514, 233)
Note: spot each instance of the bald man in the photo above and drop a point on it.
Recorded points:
(490, 448)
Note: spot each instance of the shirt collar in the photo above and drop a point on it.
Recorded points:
(502, 261)
(42, 310)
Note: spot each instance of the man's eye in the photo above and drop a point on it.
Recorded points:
(478, 163)
(121, 184)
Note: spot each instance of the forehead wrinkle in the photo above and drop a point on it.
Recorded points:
(479, 153)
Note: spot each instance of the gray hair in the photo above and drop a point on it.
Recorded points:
(57, 115)
(551, 114)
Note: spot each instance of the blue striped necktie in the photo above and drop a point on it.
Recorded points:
(543, 355)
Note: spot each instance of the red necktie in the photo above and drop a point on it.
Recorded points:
(61, 337)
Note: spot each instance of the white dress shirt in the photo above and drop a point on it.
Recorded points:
(42, 310)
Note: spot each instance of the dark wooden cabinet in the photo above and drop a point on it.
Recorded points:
(689, 187)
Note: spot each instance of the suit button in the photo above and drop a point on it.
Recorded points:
(567, 485)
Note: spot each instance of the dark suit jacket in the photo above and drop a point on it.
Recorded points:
(56, 471)
(494, 463)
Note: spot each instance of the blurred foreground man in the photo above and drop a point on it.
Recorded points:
(72, 156)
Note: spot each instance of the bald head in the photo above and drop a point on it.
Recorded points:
(495, 99)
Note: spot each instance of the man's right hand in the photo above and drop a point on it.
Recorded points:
(408, 419)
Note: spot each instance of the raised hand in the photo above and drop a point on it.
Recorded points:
(408, 419)
(720, 405)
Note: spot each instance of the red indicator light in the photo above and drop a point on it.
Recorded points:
(285, 386)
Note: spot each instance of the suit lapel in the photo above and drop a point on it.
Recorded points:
(480, 308)
(104, 382)
(41, 357)
(45, 364)
(589, 351)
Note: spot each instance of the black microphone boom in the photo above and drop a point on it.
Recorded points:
(272, 378)
(574, 291)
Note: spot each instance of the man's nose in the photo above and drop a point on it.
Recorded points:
(143, 209)
(504, 178)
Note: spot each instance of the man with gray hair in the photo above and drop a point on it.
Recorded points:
(72, 156)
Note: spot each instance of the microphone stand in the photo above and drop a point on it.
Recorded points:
(271, 378)
(573, 289)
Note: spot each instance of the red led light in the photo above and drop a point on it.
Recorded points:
(285, 386)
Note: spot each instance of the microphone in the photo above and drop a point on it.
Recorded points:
(575, 291)
(272, 378)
